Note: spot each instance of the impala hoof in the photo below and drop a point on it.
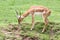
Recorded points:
(42, 31)
(31, 29)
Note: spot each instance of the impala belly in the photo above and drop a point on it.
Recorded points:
(38, 13)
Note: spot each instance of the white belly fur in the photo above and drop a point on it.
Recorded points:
(38, 13)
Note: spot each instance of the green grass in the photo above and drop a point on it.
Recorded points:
(25, 31)
(8, 15)
(7, 9)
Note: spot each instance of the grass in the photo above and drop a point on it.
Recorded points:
(7, 9)
(25, 31)
(8, 16)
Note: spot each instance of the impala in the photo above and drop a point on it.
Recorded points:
(38, 10)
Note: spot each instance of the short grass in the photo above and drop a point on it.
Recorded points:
(8, 15)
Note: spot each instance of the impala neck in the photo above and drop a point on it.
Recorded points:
(25, 14)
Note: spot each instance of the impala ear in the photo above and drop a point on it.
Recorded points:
(20, 13)
(17, 14)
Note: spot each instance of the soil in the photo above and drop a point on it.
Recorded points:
(13, 33)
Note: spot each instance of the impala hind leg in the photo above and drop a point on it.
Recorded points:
(33, 23)
(45, 19)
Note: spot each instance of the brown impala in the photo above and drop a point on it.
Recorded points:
(38, 10)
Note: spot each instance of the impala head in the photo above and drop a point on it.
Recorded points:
(19, 17)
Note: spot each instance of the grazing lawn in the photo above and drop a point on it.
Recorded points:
(8, 18)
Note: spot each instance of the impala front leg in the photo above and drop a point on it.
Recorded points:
(33, 23)
(46, 22)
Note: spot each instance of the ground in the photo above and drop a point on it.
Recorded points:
(8, 19)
